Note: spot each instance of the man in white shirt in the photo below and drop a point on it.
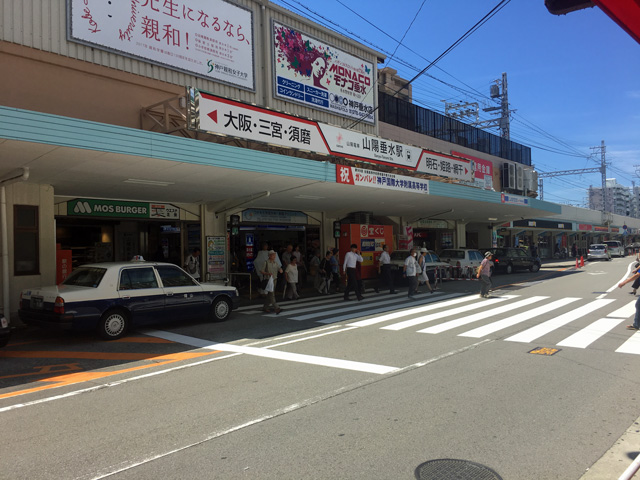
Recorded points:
(411, 270)
(349, 266)
(386, 277)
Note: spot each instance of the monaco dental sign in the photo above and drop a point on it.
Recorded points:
(221, 116)
(321, 76)
(114, 208)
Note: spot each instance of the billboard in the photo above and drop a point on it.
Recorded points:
(208, 38)
(321, 76)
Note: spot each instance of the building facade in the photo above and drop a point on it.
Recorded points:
(153, 128)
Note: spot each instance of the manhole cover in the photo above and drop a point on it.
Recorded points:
(452, 469)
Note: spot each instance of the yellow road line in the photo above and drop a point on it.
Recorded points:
(95, 355)
(72, 378)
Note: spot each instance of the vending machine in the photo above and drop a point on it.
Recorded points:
(370, 239)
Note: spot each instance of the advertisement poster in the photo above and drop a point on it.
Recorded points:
(322, 76)
(216, 259)
(389, 181)
(208, 38)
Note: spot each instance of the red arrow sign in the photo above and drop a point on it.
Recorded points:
(213, 115)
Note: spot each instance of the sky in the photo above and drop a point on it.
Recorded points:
(573, 80)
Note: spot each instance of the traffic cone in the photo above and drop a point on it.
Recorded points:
(577, 263)
(581, 261)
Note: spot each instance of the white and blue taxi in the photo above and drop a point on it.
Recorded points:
(112, 298)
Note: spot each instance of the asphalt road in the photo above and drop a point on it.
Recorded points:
(539, 381)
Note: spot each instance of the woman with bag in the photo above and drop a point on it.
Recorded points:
(423, 277)
(270, 271)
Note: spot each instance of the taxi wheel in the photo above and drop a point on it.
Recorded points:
(220, 310)
(113, 324)
(509, 269)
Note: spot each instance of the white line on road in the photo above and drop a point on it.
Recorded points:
(484, 315)
(447, 313)
(538, 331)
(521, 317)
(585, 337)
(631, 346)
(406, 312)
(274, 354)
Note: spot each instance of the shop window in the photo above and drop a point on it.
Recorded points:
(26, 243)
(137, 279)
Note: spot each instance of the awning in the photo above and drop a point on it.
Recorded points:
(625, 13)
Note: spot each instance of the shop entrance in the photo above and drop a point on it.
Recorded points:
(92, 241)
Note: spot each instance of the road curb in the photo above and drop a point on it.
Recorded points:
(616, 460)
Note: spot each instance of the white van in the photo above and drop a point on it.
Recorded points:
(615, 248)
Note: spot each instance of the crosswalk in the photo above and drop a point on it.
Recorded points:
(503, 314)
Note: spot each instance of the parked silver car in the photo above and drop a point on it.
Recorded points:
(598, 251)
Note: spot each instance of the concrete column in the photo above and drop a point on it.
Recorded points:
(460, 240)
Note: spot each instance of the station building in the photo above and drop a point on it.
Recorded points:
(151, 128)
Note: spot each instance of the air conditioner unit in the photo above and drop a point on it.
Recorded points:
(519, 178)
(508, 176)
(530, 180)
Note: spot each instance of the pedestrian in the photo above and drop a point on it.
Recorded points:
(291, 274)
(286, 256)
(422, 275)
(335, 269)
(484, 274)
(636, 283)
(261, 258)
(193, 264)
(384, 269)
(325, 272)
(574, 251)
(349, 266)
(410, 271)
(636, 319)
(271, 269)
(314, 269)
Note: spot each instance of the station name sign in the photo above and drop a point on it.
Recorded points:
(89, 207)
(220, 116)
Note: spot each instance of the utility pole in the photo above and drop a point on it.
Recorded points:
(470, 110)
(499, 91)
(603, 170)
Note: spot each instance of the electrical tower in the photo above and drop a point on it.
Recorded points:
(602, 169)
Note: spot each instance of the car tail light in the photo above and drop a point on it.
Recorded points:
(58, 306)
(496, 261)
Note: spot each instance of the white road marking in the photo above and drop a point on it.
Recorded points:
(521, 317)
(276, 355)
(631, 346)
(425, 308)
(538, 331)
(447, 313)
(396, 313)
(484, 315)
(627, 311)
(585, 337)
(323, 311)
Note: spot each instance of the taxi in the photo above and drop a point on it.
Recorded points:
(113, 298)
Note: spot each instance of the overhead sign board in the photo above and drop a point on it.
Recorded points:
(208, 38)
(89, 207)
(321, 76)
(212, 114)
(369, 178)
